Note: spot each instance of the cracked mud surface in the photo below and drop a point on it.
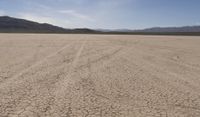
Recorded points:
(99, 76)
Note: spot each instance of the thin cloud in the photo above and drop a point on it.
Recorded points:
(197, 23)
(45, 19)
(37, 18)
(76, 15)
(2, 13)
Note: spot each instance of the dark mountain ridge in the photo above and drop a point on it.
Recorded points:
(15, 25)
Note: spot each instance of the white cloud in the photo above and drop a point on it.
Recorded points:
(76, 15)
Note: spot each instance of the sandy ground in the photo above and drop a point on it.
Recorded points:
(99, 76)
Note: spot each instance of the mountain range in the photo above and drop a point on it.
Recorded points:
(16, 25)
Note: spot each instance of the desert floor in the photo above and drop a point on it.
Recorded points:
(45, 75)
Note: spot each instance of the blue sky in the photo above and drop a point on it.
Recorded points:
(109, 14)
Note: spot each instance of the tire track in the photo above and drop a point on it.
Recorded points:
(35, 65)
(44, 85)
(62, 85)
(102, 58)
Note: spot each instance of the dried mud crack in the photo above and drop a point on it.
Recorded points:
(99, 76)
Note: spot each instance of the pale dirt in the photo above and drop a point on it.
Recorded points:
(99, 76)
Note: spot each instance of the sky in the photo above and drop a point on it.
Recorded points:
(105, 14)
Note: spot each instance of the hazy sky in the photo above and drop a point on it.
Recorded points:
(112, 14)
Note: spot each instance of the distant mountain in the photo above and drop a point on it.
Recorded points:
(157, 29)
(15, 25)
(115, 30)
(172, 29)
(186, 30)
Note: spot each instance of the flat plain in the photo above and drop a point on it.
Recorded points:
(52, 75)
